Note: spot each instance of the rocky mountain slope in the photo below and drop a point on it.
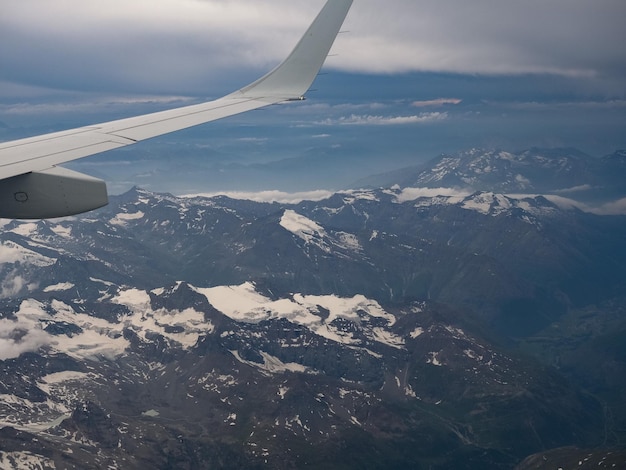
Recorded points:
(562, 171)
(373, 329)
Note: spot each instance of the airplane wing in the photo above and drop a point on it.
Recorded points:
(32, 186)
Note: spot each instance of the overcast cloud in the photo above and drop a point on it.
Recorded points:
(185, 45)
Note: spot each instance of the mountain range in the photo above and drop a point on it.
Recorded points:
(198, 168)
(406, 326)
(561, 171)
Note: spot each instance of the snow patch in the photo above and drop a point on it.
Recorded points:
(26, 229)
(182, 326)
(213, 381)
(62, 286)
(96, 338)
(416, 332)
(65, 232)
(386, 337)
(272, 365)
(434, 359)
(349, 241)
(487, 203)
(302, 227)
(352, 195)
(122, 219)
(472, 355)
(101, 281)
(244, 303)
(314, 234)
(11, 252)
(133, 298)
(24, 460)
(65, 376)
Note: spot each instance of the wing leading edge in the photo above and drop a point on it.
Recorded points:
(32, 187)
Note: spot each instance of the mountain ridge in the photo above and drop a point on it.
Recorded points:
(382, 328)
(535, 170)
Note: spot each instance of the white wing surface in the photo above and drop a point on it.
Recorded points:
(31, 186)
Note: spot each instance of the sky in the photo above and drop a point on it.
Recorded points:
(406, 80)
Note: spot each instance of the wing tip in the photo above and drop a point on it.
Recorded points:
(292, 78)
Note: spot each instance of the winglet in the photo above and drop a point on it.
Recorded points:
(293, 77)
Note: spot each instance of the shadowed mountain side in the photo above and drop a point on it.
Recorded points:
(374, 328)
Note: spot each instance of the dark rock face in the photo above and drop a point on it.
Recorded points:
(89, 421)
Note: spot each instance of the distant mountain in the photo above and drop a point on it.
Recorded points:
(374, 329)
(198, 168)
(554, 171)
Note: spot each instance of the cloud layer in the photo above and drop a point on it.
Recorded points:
(19, 337)
(379, 120)
(270, 196)
(162, 45)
